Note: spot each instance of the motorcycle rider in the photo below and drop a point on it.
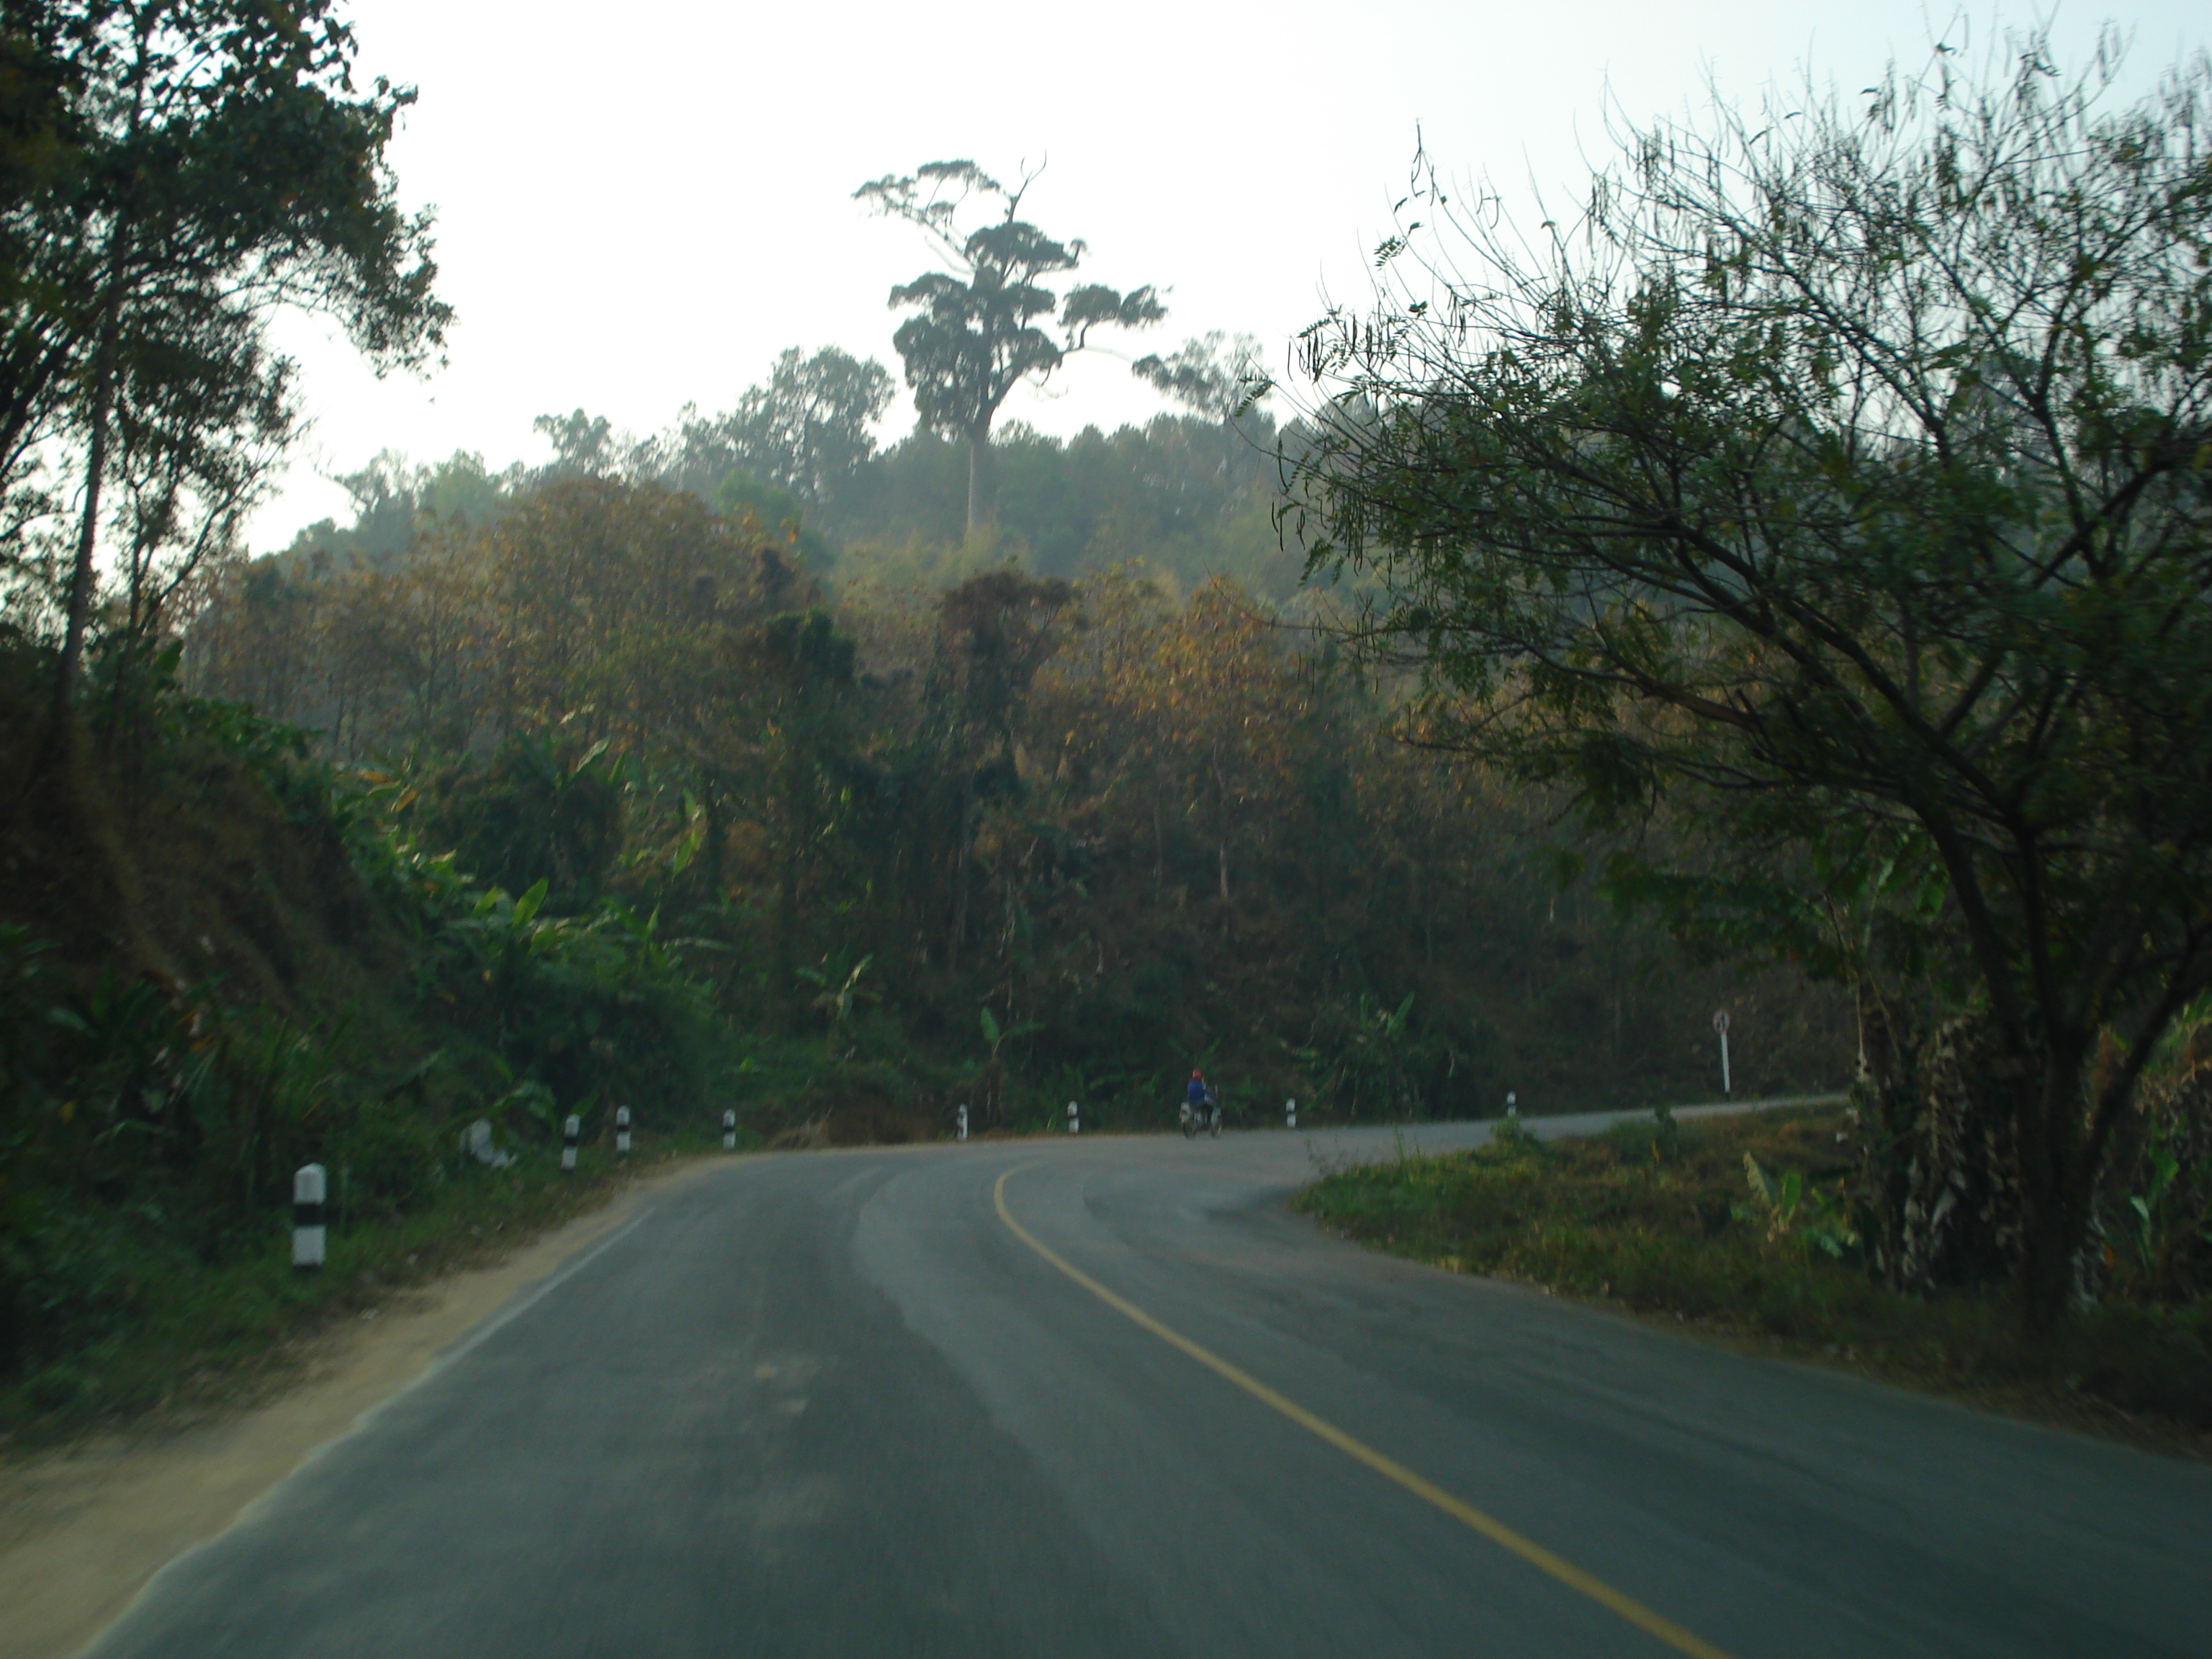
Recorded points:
(1198, 1098)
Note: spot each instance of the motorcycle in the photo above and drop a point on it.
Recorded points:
(1206, 1115)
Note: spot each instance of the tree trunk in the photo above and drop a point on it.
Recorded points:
(717, 877)
(80, 592)
(1221, 819)
(2047, 1273)
(785, 946)
(1976, 1164)
(978, 473)
(119, 691)
(1428, 929)
(960, 876)
(2054, 1198)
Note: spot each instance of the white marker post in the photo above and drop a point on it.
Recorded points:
(1074, 1126)
(1720, 1028)
(730, 1131)
(961, 1133)
(622, 1130)
(309, 1188)
(1512, 1105)
(572, 1129)
(1290, 1113)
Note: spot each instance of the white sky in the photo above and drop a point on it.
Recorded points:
(638, 207)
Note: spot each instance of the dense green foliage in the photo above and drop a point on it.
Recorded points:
(1154, 829)
(188, 1014)
(613, 803)
(179, 169)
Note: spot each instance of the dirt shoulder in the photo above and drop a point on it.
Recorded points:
(83, 1528)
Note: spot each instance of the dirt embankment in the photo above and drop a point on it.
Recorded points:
(83, 1529)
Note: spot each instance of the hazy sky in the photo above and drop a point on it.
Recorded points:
(639, 207)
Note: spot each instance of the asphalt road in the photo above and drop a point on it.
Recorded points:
(1123, 1403)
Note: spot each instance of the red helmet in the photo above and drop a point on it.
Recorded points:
(1196, 1074)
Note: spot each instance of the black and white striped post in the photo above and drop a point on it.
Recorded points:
(729, 1131)
(961, 1133)
(622, 1130)
(1075, 1124)
(572, 1130)
(309, 1188)
(1290, 1113)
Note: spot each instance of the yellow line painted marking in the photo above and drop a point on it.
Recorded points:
(1651, 1624)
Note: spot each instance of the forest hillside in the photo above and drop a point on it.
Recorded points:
(609, 802)
(1127, 828)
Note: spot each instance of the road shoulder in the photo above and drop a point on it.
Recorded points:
(84, 1527)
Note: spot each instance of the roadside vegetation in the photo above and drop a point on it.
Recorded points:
(231, 953)
(1836, 484)
(1753, 1230)
(226, 968)
(156, 1332)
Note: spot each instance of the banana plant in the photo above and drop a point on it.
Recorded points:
(839, 998)
(992, 1084)
(999, 1036)
(1791, 1209)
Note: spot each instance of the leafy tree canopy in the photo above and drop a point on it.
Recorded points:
(1850, 466)
(807, 431)
(172, 171)
(1212, 375)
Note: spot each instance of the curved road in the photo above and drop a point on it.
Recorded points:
(1107, 1397)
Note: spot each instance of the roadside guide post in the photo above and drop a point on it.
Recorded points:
(572, 1127)
(1290, 1113)
(622, 1130)
(1720, 1028)
(961, 1133)
(729, 1130)
(1074, 1126)
(1512, 1106)
(309, 1188)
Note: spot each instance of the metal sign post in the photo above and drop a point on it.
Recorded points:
(1720, 1029)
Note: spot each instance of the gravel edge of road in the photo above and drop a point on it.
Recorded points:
(84, 1526)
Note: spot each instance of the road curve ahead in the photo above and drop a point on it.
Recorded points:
(1107, 1397)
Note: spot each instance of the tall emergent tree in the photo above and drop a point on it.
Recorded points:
(979, 328)
(184, 167)
(1848, 471)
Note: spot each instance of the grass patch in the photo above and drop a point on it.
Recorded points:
(1665, 1221)
(202, 1339)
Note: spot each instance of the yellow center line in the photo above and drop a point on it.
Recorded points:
(1626, 1607)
